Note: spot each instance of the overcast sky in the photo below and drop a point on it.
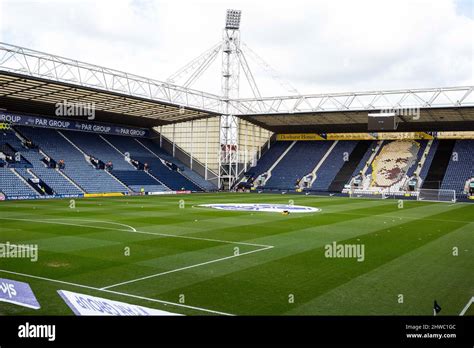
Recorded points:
(319, 46)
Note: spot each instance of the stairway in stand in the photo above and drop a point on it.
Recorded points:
(345, 173)
(439, 164)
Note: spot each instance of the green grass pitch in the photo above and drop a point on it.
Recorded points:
(200, 261)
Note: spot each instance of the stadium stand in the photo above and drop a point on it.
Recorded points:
(95, 145)
(421, 150)
(50, 176)
(377, 148)
(365, 158)
(298, 162)
(270, 157)
(37, 184)
(392, 163)
(358, 157)
(12, 185)
(331, 166)
(169, 177)
(10, 144)
(460, 167)
(32, 158)
(428, 160)
(88, 178)
(80, 175)
(334, 163)
(137, 180)
(439, 164)
(184, 170)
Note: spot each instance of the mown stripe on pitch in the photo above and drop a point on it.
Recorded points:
(428, 272)
(253, 229)
(294, 273)
(304, 244)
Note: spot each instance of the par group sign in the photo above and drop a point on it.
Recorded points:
(63, 123)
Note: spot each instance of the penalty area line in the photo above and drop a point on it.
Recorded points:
(135, 231)
(117, 293)
(185, 268)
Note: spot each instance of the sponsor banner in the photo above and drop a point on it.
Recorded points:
(378, 194)
(82, 304)
(105, 194)
(63, 123)
(258, 207)
(158, 193)
(454, 135)
(299, 137)
(351, 136)
(376, 136)
(16, 198)
(402, 135)
(18, 293)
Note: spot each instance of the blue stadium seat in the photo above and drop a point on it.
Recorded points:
(10, 144)
(172, 179)
(429, 159)
(52, 177)
(366, 157)
(94, 145)
(423, 144)
(137, 180)
(269, 158)
(460, 167)
(12, 185)
(184, 169)
(77, 168)
(298, 162)
(80, 176)
(332, 164)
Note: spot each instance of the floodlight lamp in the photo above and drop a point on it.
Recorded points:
(233, 19)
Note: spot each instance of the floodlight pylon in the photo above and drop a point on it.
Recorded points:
(233, 60)
(230, 79)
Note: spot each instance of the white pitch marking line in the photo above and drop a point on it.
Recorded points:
(142, 232)
(262, 247)
(467, 306)
(117, 293)
(184, 268)
(100, 221)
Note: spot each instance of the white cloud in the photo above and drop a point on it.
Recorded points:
(318, 46)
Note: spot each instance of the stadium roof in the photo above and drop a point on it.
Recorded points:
(33, 82)
(449, 108)
(429, 119)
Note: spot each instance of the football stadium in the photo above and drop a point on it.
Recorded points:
(125, 195)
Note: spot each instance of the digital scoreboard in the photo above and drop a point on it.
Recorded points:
(382, 121)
